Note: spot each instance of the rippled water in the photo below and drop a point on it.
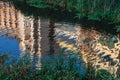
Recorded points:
(20, 34)
(35, 35)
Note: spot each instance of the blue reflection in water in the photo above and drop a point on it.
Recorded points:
(9, 46)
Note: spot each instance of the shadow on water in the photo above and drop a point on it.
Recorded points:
(101, 26)
(51, 35)
(35, 34)
(56, 15)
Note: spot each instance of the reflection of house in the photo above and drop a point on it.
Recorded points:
(100, 55)
(31, 32)
(8, 20)
(35, 34)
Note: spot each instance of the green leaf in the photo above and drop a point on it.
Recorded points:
(118, 28)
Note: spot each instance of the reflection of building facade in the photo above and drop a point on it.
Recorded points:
(31, 32)
(100, 55)
(35, 34)
(40, 37)
(8, 20)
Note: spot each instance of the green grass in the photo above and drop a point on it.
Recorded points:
(99, 10)
(53, 68)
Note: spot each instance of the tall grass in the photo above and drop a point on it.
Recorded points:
(53, 68)
(15, 69)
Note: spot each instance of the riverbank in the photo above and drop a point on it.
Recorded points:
(99, 14)
(41, 36)
(53, 68)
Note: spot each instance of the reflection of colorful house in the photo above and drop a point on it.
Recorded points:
(35, 34)
(31, 32)
(100, 55)
(40, 37)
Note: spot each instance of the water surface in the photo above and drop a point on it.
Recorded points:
(33, 34)
(9, 46)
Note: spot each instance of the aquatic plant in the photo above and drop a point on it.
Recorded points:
(53, 68)
(3, 59)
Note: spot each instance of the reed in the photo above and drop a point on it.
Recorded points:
(53, 68)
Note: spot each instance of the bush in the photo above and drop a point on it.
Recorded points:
(79, 10)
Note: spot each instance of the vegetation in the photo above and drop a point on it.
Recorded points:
(108, 41)
(61, 67)
(99, 10)
(53, 68)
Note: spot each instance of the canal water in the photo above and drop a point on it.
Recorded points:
(39, 37)
(9, 46)
(20, 34)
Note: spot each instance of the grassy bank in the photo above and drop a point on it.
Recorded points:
(96, 10)
(53, 68)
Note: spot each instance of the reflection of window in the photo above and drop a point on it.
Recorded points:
(27, 37)
(27, 23)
